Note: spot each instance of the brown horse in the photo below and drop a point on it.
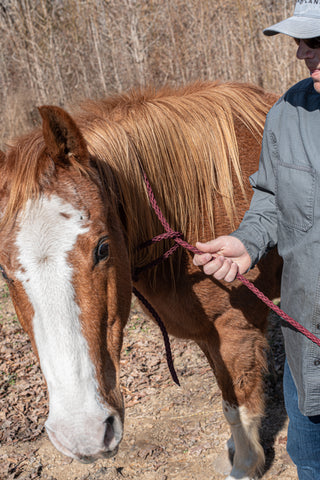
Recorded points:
(74, 211)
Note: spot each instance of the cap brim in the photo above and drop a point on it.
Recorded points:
(298, 27)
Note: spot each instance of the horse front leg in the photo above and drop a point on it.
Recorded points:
(238, 362)
(248, 454)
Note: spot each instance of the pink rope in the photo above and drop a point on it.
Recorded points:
(240, 277)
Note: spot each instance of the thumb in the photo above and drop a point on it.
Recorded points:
(213, 246)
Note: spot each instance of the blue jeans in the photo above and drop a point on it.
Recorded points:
(303, 443)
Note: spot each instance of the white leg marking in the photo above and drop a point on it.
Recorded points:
(249, 455)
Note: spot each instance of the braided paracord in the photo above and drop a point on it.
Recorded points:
(278, 310)
(177, 237)
(240, 277)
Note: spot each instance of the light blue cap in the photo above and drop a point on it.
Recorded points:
(305, 22)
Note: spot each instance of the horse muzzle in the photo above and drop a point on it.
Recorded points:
(87, 440)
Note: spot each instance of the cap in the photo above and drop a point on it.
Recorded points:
(305, 22)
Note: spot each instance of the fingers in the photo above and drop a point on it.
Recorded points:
(221, 268)
(221, 258)
(209, 248)
(200, 260)
(212, 266)
(231, 275)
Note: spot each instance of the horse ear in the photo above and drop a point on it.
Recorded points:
(62, 136)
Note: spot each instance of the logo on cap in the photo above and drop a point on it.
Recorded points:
(315, 2)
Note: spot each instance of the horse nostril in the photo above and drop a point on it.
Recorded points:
(109, 433)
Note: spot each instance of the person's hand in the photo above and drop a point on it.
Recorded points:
(223, 258)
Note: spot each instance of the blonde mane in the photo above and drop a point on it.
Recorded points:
(185, 141)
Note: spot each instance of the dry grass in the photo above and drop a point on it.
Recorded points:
(58, 52)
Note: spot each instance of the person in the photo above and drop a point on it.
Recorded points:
(285, 212)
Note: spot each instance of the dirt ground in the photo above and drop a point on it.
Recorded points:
(170, 432)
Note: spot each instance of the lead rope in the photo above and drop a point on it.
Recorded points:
(164, 334)
(177, 237)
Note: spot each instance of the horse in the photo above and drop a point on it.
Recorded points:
(74, 213)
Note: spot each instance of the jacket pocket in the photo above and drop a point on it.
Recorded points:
(295, 191)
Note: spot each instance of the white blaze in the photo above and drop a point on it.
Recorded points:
(49, 228)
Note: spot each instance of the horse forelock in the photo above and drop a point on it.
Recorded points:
(26, 172)
(20, 173)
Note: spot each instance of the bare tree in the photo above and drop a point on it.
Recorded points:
(58, 51)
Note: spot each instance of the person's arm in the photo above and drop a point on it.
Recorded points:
(225, 256)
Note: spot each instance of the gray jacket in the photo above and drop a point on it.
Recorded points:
(285, 211)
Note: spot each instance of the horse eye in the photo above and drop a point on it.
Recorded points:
(102, 250)
(3, 273)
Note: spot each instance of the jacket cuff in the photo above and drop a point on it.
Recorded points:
(248, 240)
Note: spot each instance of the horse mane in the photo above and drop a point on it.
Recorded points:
(185, 141)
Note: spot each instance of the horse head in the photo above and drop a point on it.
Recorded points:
(64, 257)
